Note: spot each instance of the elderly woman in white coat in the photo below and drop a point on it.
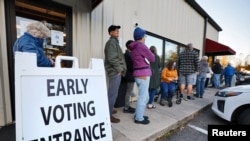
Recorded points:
(209, 76)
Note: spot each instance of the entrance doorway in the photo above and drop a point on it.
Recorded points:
(56, 16)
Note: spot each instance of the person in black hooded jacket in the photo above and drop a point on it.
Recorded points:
(129, 80)
(217, 70)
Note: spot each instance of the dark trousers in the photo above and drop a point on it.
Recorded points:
(207, 82)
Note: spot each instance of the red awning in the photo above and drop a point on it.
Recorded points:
(216, 49)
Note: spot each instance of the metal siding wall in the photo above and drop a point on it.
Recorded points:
(97, 32)
(186, 24)
(101, 18)
(129, 19)
(212, 33)
(5, 106)
(173, 19)
(81, 32)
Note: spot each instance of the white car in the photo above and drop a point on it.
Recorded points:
(233, 104)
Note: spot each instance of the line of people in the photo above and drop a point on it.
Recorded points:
(218, 73)
(146, 72)
(141, 65)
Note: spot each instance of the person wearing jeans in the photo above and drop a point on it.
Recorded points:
(154, 83)
(169, 78)
(168, 90)
(200, 86)
(201, 77)
(228, 72)
(217, 69)
(141, 57)
(143, 84)
(216, 78)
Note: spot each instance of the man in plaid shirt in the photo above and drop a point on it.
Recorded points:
(188, 66)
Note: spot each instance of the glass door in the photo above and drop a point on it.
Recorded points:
(54, 19)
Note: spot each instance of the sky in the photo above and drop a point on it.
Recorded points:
(233, 16)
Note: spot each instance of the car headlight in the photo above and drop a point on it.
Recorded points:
(243, 78)
(227, 93)
(247, 77)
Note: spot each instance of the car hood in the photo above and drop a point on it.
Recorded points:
(241, 88)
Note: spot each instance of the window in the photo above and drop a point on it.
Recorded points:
(171, 51)
(157, 42)
(167, 49)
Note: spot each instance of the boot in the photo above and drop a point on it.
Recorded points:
(114, 120)
(156, 98)
(162, 102)
(170, 103)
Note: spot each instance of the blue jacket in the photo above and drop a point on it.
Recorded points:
(28, 43)
(229, 71)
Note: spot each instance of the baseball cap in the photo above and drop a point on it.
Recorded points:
(139, 33)
(113, 27)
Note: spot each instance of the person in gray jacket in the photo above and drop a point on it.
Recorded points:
(201, 77)
(115, 67)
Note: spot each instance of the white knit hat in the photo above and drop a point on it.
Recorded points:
(204, 58)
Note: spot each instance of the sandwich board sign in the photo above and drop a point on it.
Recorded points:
(60, 104)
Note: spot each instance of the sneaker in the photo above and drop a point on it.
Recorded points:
(162, 103)
(156, 98)
(196, 95)
(129, 110)
(190, 98)
(170, 103)
(114, 120)
(145, 117)
(145, 121)
(181, 95)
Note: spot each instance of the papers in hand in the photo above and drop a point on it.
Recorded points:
(146, 60)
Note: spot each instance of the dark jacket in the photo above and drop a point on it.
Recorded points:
(28, 43)
(129, 73)
(155, 77)
(217, 68)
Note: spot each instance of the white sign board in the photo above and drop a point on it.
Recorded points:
(56, 37)
(60, 104)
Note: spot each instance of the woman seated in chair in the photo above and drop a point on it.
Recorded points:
(169, 79)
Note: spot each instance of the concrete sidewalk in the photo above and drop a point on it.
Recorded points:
(162, 120)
